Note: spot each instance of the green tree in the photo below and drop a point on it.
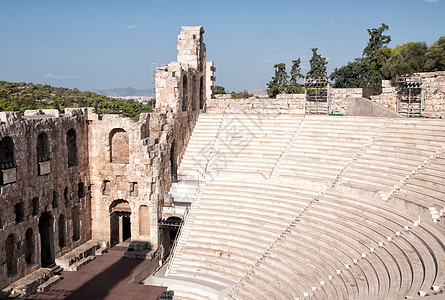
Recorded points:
(377, 41)
(278, 83)
(219, 90)
(295, 74)
(318, 65)
(406, 59)
(357, 74)
(241, 95)
(435, 56)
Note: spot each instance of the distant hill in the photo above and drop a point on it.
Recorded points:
(259, 92)
(20, 96)
(124, 92)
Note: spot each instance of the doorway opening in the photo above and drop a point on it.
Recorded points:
(46, 239)
(120, 222)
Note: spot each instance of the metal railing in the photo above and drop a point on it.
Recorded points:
(177, 239)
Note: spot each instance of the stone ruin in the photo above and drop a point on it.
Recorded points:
(76, 183)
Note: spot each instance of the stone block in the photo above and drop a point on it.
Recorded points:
(9, 175)
(44, 167)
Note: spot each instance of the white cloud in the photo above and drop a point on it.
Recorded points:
(274, 49)
(432, 1)
(55, 76)
(131, 27)
(39, 36)
(267, 61)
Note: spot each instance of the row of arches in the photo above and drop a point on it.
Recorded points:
(196, 99)
(15, 249)
(43, 150)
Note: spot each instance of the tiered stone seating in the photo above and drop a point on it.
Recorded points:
(232, 225)
(238, 143)
(363, 250)
(402, 146)
(200, 146)
(288, 209)
(424, 192)
(324, 146)
(252, 143)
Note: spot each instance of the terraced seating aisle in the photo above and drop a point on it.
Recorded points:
(424, 192)
(402, 147)
(232, 226)
(360, 249)
(324, 146)
(295, 211)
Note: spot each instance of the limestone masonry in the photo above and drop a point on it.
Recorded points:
(74, 177)
(244, 198)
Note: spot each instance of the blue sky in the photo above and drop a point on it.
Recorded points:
(107, 44)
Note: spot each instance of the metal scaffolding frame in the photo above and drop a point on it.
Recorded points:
(410, 96)
(317, 96)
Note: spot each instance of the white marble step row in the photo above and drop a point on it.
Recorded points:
(386, 282)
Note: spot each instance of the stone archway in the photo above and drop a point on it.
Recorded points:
(46, 239)
(120, 222)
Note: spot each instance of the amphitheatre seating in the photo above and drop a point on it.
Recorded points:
(401, 147)
(324, 146)
(290, 212)
(361, 250)
(238, 143)
(200, 146)
(232, 225)
(424, 192)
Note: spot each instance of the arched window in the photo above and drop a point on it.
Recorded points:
(184, 93)
(201, 92)
(61, 231)
(29, 246)
(42, 147)
(71, 145)
(6, 153)
(76, 224)
(119, 146)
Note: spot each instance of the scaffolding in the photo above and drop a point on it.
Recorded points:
(317, 96)
(410, 96)
(154, 66)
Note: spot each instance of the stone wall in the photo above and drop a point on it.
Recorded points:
(65, 179)
(45, 197)
(155, 145)
(284, 103)
(434, 88)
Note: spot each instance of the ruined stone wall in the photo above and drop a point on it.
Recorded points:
(46, 183)
(284, 103)
(155, 145)
(434, 85)
(185, 87)
(339, 98)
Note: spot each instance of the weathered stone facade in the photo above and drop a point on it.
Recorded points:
(434, 89)
(66, 179)
(283, 104)
(45, 210)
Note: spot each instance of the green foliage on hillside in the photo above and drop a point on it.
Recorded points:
(22, 96)
(241, 95)
(217, 90)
